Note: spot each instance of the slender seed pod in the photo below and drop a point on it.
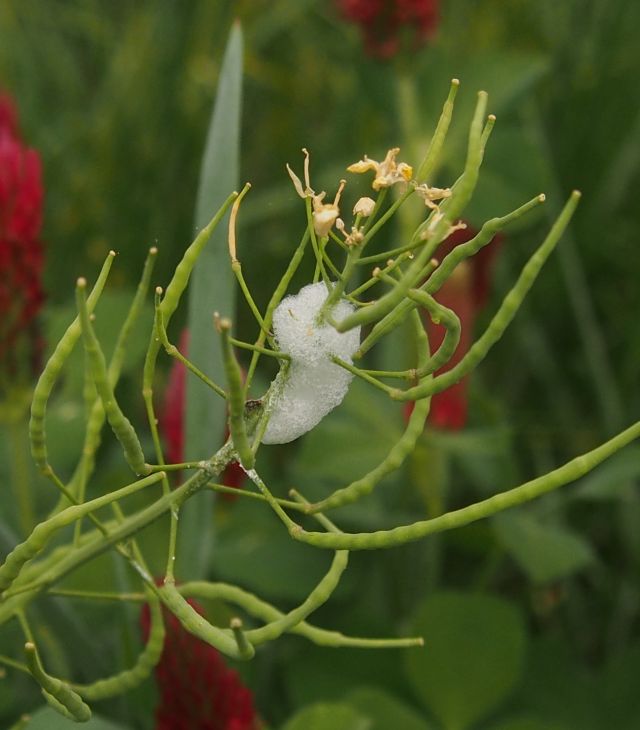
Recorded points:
(442, 272)
(503, 316)
(57, 693)
(15, 601)
(120, 424)
(432, 157)
(235, 400)
(276, 298)
(96, 418)
(439, 315)
(47, 380)
(319, 595)
(180, 278)
(400, 450)
(131, 678)
(97, 542)
(221, 639)
(533, 489)
(394, 318)
(169, 304)
(44, 531)
(470, 248)
(266, 612)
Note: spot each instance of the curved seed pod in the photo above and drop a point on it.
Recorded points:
(503, 316)
(42, 532)
(220, 639)
(130, 678)
(442, 271)
(168, 306)
(120, 424)
(401, 449)
(266, 612)
(96, 418)
(565, 474)
(391, 320)
(319, 595)
(49, 376)
(235, 399)
(470, 248)
(439, 315)
(57, 693)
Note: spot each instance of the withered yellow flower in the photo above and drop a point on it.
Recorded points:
(388, 172)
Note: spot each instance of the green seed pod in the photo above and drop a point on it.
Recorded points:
(49, 376)
(44, 531)
(235, 399)
(401, 449)
(266, 612)
(131, 678)
(221, 639)
(533, 489)
(121, 426)
(57, 693)
(503, 316)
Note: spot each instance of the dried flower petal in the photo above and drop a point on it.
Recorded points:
(388, 172)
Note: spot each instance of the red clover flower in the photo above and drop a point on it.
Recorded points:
(384, 22)
(197, 690)
(21, 251)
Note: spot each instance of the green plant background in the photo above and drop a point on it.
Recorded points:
(530, 620)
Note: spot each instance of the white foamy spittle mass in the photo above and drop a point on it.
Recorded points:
(313, 385)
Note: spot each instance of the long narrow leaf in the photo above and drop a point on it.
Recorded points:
(212, 289)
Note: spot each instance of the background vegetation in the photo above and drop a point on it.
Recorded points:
(546, 600)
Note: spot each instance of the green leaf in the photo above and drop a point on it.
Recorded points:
(328, 716)
(558, 686)
(385, 711)
(545, 552)
(48, 719)
(473, 656)
(211, 290)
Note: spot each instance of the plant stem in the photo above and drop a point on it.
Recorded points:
(21, 474)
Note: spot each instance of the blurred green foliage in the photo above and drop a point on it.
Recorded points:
(117, 99)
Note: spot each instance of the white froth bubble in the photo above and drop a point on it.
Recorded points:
(313, 385)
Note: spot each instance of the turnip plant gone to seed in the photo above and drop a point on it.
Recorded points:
(319, 336)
